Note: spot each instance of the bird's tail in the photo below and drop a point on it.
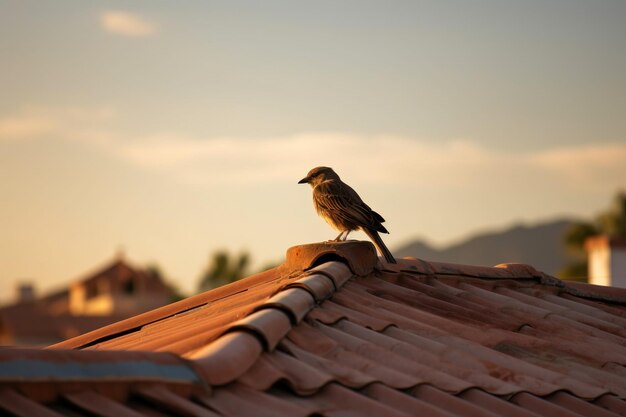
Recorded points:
(378, 242)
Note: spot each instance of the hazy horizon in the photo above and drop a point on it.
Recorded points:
(122, 252)
(177, 131)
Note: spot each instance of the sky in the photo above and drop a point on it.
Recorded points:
(168, 131)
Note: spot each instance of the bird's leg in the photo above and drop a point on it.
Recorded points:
(338, 238)
(346, 236)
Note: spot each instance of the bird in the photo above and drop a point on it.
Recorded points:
(343, 209)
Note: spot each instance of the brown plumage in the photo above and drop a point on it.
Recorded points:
(343, 209)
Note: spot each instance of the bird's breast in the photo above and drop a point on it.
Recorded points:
(336, 222)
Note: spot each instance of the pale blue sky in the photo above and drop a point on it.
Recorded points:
(176, 129)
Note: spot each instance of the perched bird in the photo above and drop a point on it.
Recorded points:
(343, 209)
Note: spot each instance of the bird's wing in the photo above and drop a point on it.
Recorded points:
(342, 201)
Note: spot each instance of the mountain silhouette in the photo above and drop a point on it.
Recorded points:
(539, 245)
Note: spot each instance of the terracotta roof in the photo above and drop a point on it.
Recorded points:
(347, 337)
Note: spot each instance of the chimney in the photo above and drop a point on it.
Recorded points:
(607, 260)
(25, 292)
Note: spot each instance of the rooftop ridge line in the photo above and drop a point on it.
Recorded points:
(135, 323)
(233, 353)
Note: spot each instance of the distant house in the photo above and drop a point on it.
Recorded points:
(118, 289)
(112, 293)
(607, 260)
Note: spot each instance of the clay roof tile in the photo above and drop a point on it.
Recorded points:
(336, 331)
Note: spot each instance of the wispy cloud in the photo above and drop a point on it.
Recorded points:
(32, 122)
(587, 165)
(127, 24)
(388, 160)
(384, 160)
(25, 126)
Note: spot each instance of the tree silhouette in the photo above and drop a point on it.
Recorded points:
(611, 222)
(223, 269)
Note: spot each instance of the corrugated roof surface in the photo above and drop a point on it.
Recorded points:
(423, 338)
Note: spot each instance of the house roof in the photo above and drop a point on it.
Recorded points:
(49, 318)
(119, 272)
(335, 332)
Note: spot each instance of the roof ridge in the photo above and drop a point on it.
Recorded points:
(136, 322)
(614, 295)
(501, 271)
(230, 355)
(300, 262)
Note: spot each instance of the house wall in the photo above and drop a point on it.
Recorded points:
(618, 267)
(77, 299)
(101, 305)
(112, 303)
(599, 265)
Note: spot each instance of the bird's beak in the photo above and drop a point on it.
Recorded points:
(304, 180)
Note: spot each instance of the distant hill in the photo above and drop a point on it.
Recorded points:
(539, 245)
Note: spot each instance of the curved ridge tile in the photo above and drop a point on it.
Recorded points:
(410, 265)
(320, 286)
(337, 271)
(234, 353)
(597, 292)
(297, 302)
(271, 325)
(520, 270)
(444, 268)
(227, 358)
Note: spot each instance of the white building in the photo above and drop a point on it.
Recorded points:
(607, 260)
